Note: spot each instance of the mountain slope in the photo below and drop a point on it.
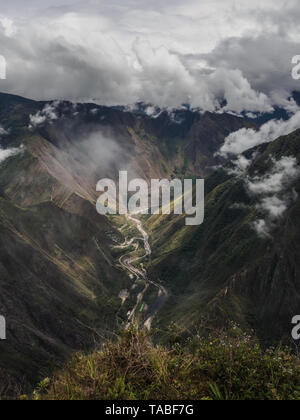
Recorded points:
(229, 271)
(57, 290)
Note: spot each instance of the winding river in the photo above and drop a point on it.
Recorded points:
(141, 274)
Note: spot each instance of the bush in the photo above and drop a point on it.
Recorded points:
(223, 367)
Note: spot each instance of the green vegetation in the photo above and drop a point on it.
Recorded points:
(229, 366)
(229, 272)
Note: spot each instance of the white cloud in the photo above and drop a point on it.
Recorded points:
(264, 59)
(8, 26)
(232, 86)
(245, 139)
(283, 173)
(262, 228)
(166, 53)
(47, 114)
(274, 192)
(240, 165)
(274, 206)
(6, 153)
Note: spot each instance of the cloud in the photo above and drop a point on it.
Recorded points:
(3, 132)
(47, 114)
(274, 192)
(124, 51)
(262, 229)
(245, 139)
(283, 173)
(6, 153)
(263, 59)
(274, 206)
(8, 26)
(240, 165)
(101, 149)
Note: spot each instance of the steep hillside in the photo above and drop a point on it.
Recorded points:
(242, 264)
(58, 291)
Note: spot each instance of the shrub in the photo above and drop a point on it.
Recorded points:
(232, 367)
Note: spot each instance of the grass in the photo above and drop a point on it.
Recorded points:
(229, 366)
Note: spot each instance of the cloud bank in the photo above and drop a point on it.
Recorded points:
(207, 53)
(244, 139)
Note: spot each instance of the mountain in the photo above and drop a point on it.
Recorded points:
(63, 286)
(233, 270)
(59, 292)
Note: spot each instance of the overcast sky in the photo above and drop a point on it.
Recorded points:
(165, 52)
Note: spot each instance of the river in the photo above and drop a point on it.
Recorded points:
(141, 274)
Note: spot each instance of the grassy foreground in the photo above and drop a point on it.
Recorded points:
(227, 367)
